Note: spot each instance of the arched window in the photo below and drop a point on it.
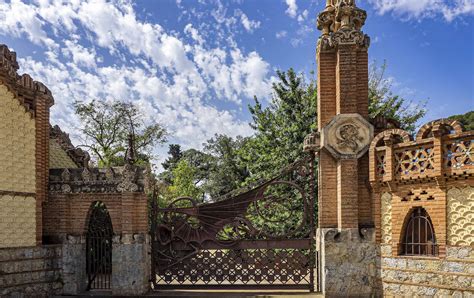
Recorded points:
(419, 237)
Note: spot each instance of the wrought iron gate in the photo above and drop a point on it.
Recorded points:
(258, 238)
(99, 248)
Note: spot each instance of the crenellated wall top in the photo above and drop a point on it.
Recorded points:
(441, 150)
(25, 89)
(128, 178)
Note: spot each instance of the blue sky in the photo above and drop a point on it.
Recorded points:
(195, 65)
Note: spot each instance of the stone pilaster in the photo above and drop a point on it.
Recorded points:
(348, 263)
(131, 264)
(347, 247)
(74, 265)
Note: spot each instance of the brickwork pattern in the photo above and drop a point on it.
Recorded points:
(343, 88)
(67, 214)
(17, 221)
(17, 145)
(461, 216)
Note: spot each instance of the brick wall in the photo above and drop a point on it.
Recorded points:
(434, 172)
(67, 214)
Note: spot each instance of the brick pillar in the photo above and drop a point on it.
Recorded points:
(327, 183)
(345, 237)
(44, 101)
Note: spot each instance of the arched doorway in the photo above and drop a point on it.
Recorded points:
(99, 247)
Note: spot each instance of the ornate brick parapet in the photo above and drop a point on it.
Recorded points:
(441, 151)
(124, 179)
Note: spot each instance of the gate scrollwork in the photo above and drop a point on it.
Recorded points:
(268, 228)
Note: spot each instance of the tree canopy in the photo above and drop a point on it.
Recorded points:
(467, 120)
(106, 128)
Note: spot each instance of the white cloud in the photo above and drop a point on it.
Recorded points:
(189, 29)
(419, 9)
(249, 25)
(80, 55)
(303, 16)
(18, 19)
(178, 81)
(292, 9)
(281, 34)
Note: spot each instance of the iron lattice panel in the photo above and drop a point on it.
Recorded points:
(246, 267)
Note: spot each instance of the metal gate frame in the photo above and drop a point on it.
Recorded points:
(226, 244)
(99, 247)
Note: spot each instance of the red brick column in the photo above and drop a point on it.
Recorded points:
(43, 103)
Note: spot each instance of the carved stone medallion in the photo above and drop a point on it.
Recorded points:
(347, 136)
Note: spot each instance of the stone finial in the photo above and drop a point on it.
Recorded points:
(130, 154)
(128, 183)
(340, 23)
(65, 175)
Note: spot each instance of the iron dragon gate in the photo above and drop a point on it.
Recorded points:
(257, 238)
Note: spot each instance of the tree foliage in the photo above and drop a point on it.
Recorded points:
(107, 127)
(226, 171)
(467, 120)
(281, 127)
(184, 182)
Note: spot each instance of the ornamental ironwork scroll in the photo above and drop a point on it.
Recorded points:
(262, 236)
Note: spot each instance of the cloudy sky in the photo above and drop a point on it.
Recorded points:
(195, 65)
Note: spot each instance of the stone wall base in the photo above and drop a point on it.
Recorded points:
(449, 276)
(74, 265)
(131, 264)
(30, 271)
(348, 262)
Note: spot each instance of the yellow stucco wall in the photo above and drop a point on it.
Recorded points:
(17, 221)
(461, 216)
(17, 173)
(17, 145)
(386, 225)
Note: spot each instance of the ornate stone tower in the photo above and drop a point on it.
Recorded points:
(344, 212)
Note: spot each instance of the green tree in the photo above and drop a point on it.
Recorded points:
(106, 128)
(174, 156)
(466, 119)
(281, 127)
(226, 171)
(184, 182)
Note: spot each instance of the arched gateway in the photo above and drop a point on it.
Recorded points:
(99, 247)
